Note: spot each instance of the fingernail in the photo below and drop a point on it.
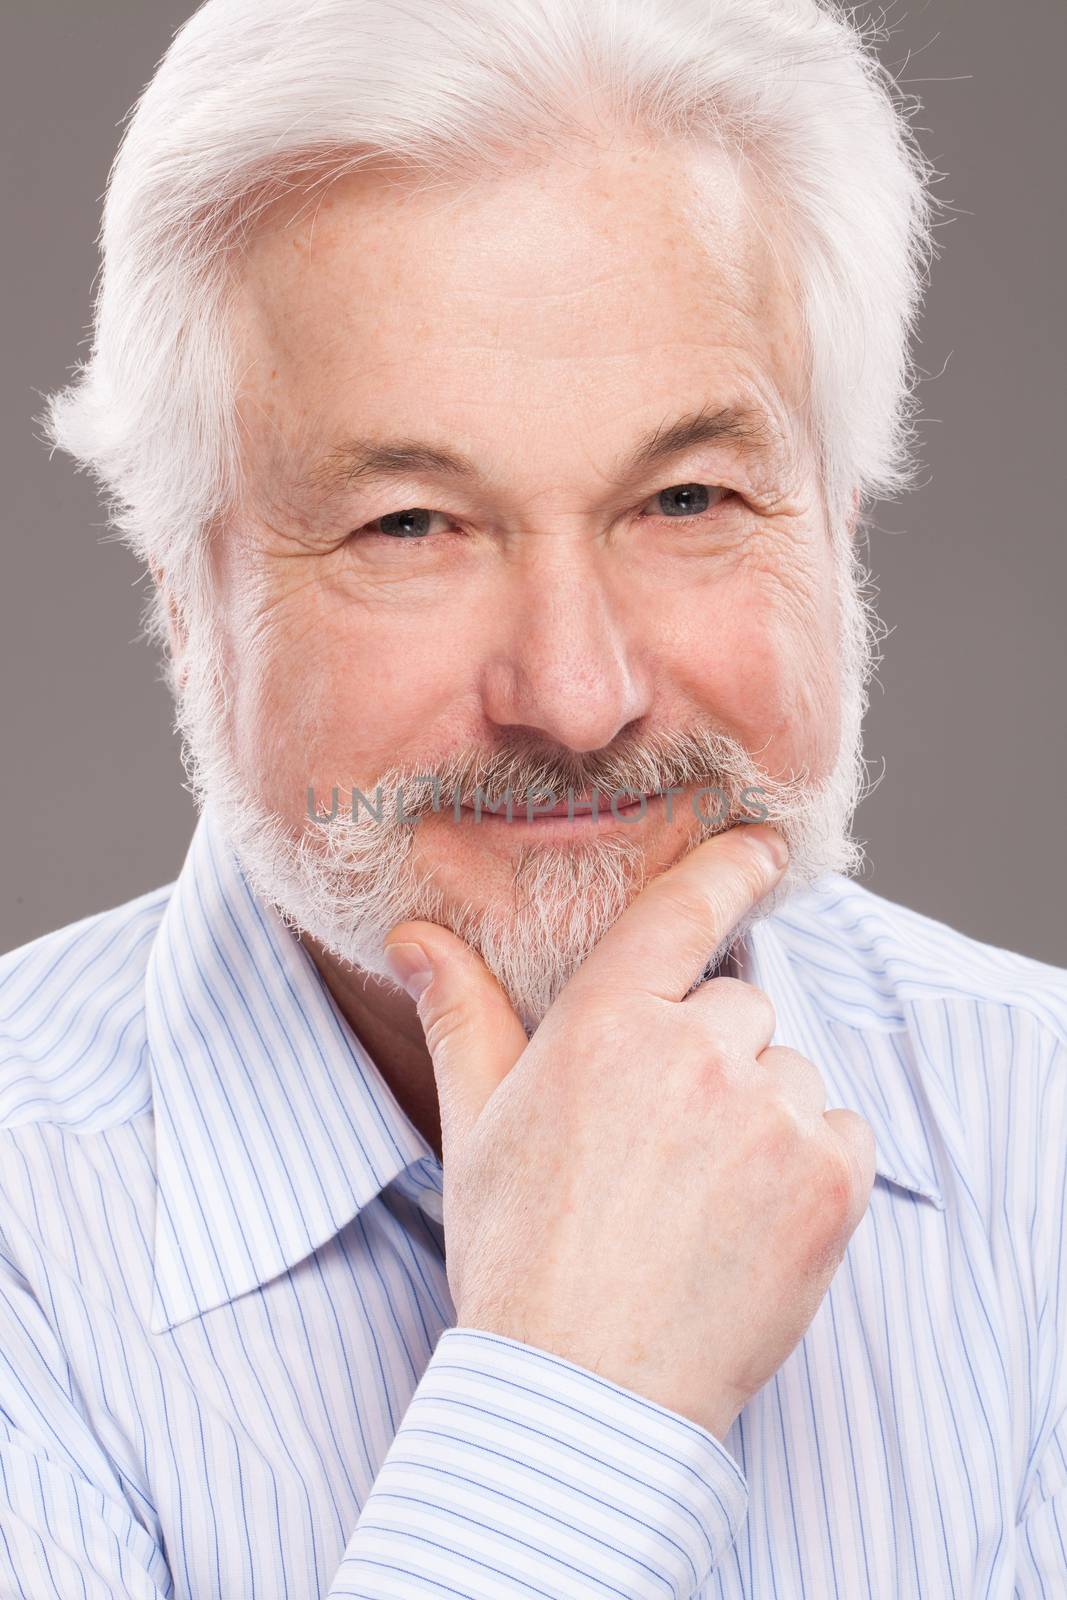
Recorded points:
(769, 841)
(410, 966)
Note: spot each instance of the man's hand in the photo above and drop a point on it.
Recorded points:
(644, 1187)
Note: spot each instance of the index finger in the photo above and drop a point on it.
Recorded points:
(662, 942)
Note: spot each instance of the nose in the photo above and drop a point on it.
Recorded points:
(571, 665)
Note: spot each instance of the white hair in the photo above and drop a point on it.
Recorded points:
(256, 97)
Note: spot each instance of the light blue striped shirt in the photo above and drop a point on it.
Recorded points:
(229, 1364)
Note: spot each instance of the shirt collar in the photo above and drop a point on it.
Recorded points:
(273, 1125)
(779, 956)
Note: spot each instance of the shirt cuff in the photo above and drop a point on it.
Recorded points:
(516, 1472)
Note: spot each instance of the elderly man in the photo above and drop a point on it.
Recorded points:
(493, 389)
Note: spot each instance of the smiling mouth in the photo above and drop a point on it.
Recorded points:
(580, 807)
(584, 805)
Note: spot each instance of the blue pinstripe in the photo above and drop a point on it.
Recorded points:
(229, 1364)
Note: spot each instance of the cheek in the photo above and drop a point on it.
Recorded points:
(356, 691)
(764, 664)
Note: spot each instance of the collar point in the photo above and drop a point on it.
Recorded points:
(917, 1184)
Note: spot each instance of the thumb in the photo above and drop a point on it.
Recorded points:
(472, 1032)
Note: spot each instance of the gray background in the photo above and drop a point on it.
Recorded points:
(971, 568)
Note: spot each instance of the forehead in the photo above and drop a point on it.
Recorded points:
(583, 294)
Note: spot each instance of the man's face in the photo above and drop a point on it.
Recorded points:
(556, 607)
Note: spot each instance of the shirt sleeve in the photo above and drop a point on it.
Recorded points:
(514, 1474)
(517, 1474)
(67, 1529)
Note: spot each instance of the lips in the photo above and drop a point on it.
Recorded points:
(580, 805)
(583, 805)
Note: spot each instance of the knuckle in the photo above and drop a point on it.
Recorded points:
(729, 988)
(825, 1223)
(752, 1003)
(698, 913)
(808, 1079)
(855, 1139)
(837, 1182)
(800, 1079)
(811, 1070)
(778, 1132)
(715, 903)
(781, 1057)
(761, 1007)
(712, 1066)
(440, 1028)
(751, 867)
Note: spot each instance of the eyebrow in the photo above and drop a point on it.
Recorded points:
(357, 459)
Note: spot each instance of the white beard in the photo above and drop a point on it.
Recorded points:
(349, 882)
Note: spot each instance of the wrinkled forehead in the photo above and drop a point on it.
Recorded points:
(573, 290)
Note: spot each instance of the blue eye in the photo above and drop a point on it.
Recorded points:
(411, 524)
(687, 499)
